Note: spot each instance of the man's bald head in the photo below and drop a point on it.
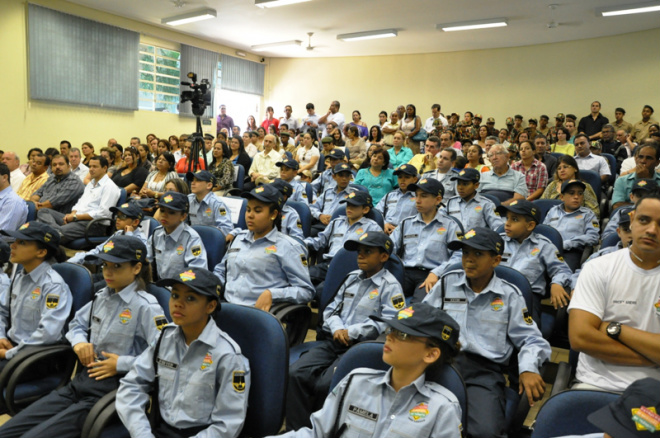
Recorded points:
(11, 160)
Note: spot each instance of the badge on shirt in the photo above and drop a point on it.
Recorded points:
(125, 316)
(238, 381)
(303, 259)
(160, 321)
(207, 362)
(52, 301)
(299, 224)
(360, 412)
(441, 230)
(535, 251)
(527, 317)
(579, 216)
(419, 413)
(398, 301)
(373, 294)
(359, 231)
(208, 212)
(36, 293)
(478, 208)
(179, 250)
(167, 364)
(497, 304)
(196, 250)
(646, 418)
(595, 224)
(271, 249)
(657, 307)
(222, 211)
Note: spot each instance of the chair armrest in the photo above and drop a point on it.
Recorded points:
(89, 227)
(562, 379)
(586, 253)
(96, 415)
(11, 366)
(295, 318)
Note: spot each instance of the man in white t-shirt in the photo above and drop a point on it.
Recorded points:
(333, 115)
(615, 310)
(436, 121)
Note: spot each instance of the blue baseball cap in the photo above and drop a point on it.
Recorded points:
(480, 238)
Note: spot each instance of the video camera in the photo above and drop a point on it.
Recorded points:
(199, 96)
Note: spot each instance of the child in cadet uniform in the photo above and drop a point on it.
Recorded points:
(468, 206)
(533, 255)
(263, 265)
(288, 171)
(329, 201)
(35, 306)
(399, 401)
(174, 245)
(5, 252)
(205, 208)
(107, 334)
(291, 223)
(326, 180)
(399, 203)
(340, 230)
(421, 241)
(623, 230)
(577, 225)
(196, 373)
(494, 321)
(371, 290)
(640, 188)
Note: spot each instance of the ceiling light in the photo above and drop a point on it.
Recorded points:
(190, 17)
(471, 25)
(281, 44)
(373, 34)
(275, 3)
(637, 8)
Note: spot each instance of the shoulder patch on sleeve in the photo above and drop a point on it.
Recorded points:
(238, 381)
(595, 224)
(303, 259)
(160, 321)
(196, 250)
(559, 257)
(222, 211)
(398, 301)
(527, 317)
(52, 300)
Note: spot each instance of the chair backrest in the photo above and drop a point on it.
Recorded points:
(458, 223)
(321, 164)
(309, 190)
(347, 153)
(305, 216)
(502, 195)
(79, 280)
(612, 239)
(544, 206)
(148, 225)
(264, 343)
(553, 235)
(32, 211)
(214, 244)
(611, 161)
(237, 207)
(593, 179)
(557, 155)
(122, 197)
(373, 214)
(566, 413)
(239, 176)
(493, 198)
(163, 296)
(370, 355)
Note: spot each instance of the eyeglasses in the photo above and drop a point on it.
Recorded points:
(122, 217)
(491, 155)
(405, 337)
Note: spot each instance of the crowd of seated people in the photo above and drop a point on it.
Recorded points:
(448, 198)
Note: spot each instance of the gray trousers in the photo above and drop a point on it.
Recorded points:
(71, 231)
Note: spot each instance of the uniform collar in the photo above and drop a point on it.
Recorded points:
(206, 199)
(377, 278)
(534, 238)
(271, 236)
(177, 231)
(418, 383)
(495, 285)
(127, 293)
(209, 335)
(38, 272)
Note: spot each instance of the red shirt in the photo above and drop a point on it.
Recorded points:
(266, 123)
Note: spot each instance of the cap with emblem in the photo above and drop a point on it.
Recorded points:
(490, 121)
(36, 231)
(265, 193)
(358, 198)
(5, 251)
(424, 320)
(174, 201)
(518, 116)
(544, 117)
(509, 120)
(336, 154)
(479, 238)
(291, 164)
(120, 249)
(625, 215)
(572, 182)
(534, 121)
(428, 185)
(648, 185)
(202, 175)
(327, 139)
(284, 187)
(560, 116)
(376, 239)
(636, 414)
(478, 116)
(130, 209)
(467, 174)
(199, 280)
(341, 167)
(523, 207)
(406, 169)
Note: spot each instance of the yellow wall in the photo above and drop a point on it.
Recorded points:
(542, 79)
(26, 123)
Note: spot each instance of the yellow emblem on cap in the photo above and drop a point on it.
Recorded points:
(124, 205)
(167, 199)
(514, 203)
(24, 226)
(646, 418)
(423, 181)
(405, 313)
(187, 276)
(351, 195)
(344, 166)
(642, 183)
(258, 190)
(108, 246)
(462, 172)
(446, 332)
(470, 234)
(362, 237)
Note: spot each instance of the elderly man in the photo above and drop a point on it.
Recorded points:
(37, 178)
(14, 163)
(426, 162)
(264, 165)
(647, 158)
(77, 168)
(333, 115)
(588, 161)
(62, 190)
(14, 209)
(509, 183)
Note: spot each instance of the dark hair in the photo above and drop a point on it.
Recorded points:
(481, 152)
(34, 150)
(169, 157)
(470, 113)
(4, 170)
(379, 137)
(567, 159)
(357, 111)
(51, 151)
(226, 152)
(69, 144)
(309, 106)
(460, 162)
(531, 144)
(436, 106)
(261, 128)
(180, 185)
(414, 110)
(564, 130)
(619, 110)
(166, 143)
(241, 145)
(46, 158)
(55, 254)
(144, 276)
(386, 156)
(541, 136)
(59, 156)
(91, 146)
(354, 130)
(102, 161)
(434, 139)
(649, 195)
(452, 152)
(582, 135)
(383, 113)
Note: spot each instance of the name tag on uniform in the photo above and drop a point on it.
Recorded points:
(234, 250)
(453, 211)
(167, 364)
(554, 219)
(362, 413)
(410, 235)
(337, 235)
(96, 319)
(392, 201)
(348, 295)
(455, 300)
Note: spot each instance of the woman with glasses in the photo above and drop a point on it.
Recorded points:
(567, 169)
(132, 175)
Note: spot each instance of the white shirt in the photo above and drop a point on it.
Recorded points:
(292, 122)
(594, 163)
(97, 198)
(80, 171)
(615, 289)
(428, 125)
(305, 155)
(16, 178)
(627, 164)
(339, 120)
(265, 164)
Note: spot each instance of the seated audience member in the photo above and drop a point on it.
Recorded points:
(475, 158)
(263, 266)
(288, 171)
(355, 145)
(35, 307)
(107, 335)
(222, 168)
(174, 245)
(77, 168)
(422, 241)
(625, 236)
(87, 150)
(326, 180)
(577, 225)
(238, 154)
(328, 202)
(154, 185)
(608, 143)
(291, 223)
(308, 154)
(36, 178)
(647, 159)
(550, 161)
(534, 255)
(468, 206)
(502, 177)
(185, 163)
(99, 195)
(399, 154)
(213, 397)
(264, 169)
(378, 178)
(444, 171)
(145, 158)
(536, 174)
(13, 163)
(14, 209)
(131, 175)
(624, 152)
(562, 145)
(426, 162)
(204, 207)
(641, 129)
(389, 129)
(370, 291)
(62, 190)
(400, 203)
(493, 323)
(567, 170)
(641, 188)
(340, 230)
(617, 341)
(588, 161)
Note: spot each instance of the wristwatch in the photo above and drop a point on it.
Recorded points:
(614, 330)
(75, 217)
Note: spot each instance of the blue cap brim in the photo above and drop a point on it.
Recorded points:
(108, 258)
(172, 281)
